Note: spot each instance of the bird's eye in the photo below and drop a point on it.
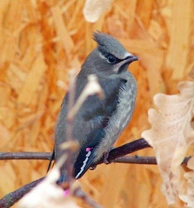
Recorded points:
(111, 59)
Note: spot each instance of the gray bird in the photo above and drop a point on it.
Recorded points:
(99, 122)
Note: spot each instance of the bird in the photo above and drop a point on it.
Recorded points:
(99, 122)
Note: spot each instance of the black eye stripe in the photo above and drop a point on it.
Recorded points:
(111, 59)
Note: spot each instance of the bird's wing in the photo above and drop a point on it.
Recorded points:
(90, 123)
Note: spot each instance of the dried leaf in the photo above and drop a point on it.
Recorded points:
(48, 194)
(94, 8)
(171, 134)
(190, 163)
(189, 196)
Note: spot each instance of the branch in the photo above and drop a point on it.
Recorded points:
(82, 195)
(123, 150)
(11, 198)
(25, 156)
(137, 160)
(128, 148)
(116, 155)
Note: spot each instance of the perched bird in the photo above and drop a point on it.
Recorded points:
(99, 122)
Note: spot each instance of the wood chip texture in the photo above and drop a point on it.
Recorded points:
(41, 41)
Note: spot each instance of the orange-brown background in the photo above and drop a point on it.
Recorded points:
(42, 40)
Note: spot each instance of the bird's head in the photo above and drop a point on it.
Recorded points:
(109, 58)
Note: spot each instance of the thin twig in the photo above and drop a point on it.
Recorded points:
(125, 149)
(25, 155)
(116, 155)
(137, 160)
(11, 198)
(81, 194)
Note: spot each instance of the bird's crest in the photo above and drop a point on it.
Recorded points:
(109, 44)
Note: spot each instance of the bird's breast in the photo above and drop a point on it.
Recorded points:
(121, 117)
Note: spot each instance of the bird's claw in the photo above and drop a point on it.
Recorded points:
(93, 167)
(105, 158)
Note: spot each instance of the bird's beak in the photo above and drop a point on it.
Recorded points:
(130, 59)
(125, 62)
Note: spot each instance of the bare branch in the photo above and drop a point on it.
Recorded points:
(25, 155)
(137, 160)
(11, 198)
(81, 194)
(116, 155)
(128, 148)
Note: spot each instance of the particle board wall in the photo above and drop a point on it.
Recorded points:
(41, 41)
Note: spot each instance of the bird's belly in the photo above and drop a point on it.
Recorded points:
(119, 119)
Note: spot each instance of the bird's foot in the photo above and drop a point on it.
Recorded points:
(105, 158)
(93, 167)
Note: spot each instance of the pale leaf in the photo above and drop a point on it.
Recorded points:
(189, 196)
(171, 134)
(48, 194)
(190, 163)
(94, 8)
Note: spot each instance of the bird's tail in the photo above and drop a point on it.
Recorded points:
(84, 161)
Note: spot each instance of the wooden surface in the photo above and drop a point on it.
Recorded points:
(41, 41)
